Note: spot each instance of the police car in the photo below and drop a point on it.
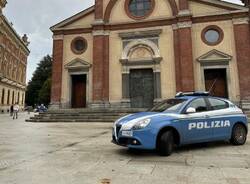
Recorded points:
(186, 119)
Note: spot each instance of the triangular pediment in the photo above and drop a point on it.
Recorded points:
(78, 64)
(74, 19)
(223, 5)
(214, 55)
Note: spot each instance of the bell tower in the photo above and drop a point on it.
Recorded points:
(2, 4)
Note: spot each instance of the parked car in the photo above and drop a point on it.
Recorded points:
(186, 119)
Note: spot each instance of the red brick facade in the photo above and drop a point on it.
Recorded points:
(183, 4)
(101, 68)
(98, 9)
(242, 40)
(56, 88)
(185, 52)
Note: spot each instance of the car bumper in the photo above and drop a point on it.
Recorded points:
(139, 139)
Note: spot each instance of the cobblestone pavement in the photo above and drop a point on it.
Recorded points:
(82, 154)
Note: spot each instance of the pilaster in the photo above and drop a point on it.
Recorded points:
(242, 43)
(57, 65)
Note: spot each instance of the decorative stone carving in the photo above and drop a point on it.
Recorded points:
(141, 43)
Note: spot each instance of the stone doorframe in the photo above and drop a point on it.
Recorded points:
(216, 60)
(78, 67)
(143, 63)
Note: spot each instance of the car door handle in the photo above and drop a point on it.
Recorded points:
(207, 116)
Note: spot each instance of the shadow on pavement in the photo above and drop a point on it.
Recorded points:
(181, 149)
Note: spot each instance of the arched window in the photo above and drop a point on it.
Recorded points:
(2, 100)
(13, 97)
(18, 96)
(8, 97)
(23, 99)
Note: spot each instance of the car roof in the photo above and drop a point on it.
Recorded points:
(190, 97)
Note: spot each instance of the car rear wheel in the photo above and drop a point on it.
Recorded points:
(239, 135)
(166, 143)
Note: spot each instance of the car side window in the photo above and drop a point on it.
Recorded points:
(217, 104)
(199, 105)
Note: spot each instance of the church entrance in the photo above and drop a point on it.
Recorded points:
(78, 98)
(141, 87)
(216, 82)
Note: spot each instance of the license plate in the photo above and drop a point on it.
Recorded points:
(127, 133)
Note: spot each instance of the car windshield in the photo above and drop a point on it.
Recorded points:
(170, 105)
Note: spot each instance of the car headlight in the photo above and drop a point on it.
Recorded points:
(141, 124)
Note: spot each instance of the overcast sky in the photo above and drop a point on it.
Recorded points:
(35, 17)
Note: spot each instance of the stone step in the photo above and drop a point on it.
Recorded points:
(70, 121)
(112, 110)
(81, 114)
(77, 117)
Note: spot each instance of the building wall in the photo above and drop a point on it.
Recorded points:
(69, 56)
(193, 22)
(203, 9)
(162, 10)
(13, 66)
(82, 23)
(227, 46)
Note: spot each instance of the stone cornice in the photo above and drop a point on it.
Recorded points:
(181, 21)
(12, 83)
(244, 20)
(100, 33)
(149, 33)
(8, 30)
(58, 37)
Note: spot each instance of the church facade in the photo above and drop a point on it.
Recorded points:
(134, 53)
(13, 64)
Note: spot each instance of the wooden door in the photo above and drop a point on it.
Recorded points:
(141, 88)
(216, 82)
(78, 91)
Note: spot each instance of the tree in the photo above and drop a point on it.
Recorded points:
(44, 93)
(40, 82)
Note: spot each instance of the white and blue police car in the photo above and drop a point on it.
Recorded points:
(186, 119)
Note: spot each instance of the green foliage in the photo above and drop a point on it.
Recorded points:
(40, 83)
(44, 93)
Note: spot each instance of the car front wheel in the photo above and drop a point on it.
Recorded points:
(239, 135)
(166, 143)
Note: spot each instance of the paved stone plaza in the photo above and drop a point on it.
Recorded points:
(66, 153)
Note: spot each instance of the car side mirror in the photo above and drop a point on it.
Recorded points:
(191, 110)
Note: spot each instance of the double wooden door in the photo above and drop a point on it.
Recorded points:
(78, 91)
(141, 84)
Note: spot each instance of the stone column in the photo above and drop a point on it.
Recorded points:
(56, 88)
(242, 42)
(157, 86)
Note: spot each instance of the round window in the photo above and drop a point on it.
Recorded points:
(212, 35)
(139, 9)
(79, 45)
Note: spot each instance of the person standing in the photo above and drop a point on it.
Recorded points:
(11, 110)
(16, 110)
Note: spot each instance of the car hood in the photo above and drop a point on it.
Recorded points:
(127, 122)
